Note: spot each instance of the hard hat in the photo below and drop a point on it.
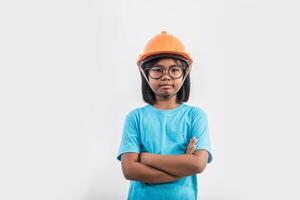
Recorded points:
(161, 44)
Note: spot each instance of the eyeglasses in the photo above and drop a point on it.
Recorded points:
(156, 72)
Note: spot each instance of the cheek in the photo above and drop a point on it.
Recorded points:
(177, 82)
(153, 83)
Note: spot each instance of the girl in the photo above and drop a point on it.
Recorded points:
(165, 144)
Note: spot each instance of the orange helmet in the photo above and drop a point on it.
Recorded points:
(164, 43)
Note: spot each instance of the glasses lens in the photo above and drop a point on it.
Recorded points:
(175, 71)
(155, 72)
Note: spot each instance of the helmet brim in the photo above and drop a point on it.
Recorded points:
(164, 55)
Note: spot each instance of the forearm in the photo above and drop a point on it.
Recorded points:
(148, 174)
(176, 165)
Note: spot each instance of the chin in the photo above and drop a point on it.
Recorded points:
(166, 95)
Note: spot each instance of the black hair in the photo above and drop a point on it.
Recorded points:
(182, 94)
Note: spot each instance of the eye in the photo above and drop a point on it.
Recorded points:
(176, 69)
(155, 69)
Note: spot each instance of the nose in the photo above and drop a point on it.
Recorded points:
(165, 75)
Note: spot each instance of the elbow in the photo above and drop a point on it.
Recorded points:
(127, 174)
(200, 166)
(200, 169)
(128, 165)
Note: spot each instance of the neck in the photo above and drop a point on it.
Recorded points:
(166, 103)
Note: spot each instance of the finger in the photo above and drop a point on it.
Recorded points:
(190, 143)
(188, 149)
(195, 140)
(194, 148)
(191, 148)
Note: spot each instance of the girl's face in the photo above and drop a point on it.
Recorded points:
(166, 85)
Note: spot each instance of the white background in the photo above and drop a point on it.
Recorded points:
(68, 78)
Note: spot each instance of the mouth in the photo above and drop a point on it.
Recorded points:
(166, 86)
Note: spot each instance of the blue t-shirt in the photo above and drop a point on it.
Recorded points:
(165, 132)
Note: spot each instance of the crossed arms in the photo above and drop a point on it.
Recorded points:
(156, 168)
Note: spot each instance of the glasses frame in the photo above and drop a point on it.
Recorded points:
(159, 66)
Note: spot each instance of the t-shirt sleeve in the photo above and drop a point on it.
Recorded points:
(130, 141)
(201, 132)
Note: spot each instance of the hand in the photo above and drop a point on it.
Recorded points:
(144, 157)
(191, 146)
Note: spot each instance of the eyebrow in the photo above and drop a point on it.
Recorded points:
(159, 65)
